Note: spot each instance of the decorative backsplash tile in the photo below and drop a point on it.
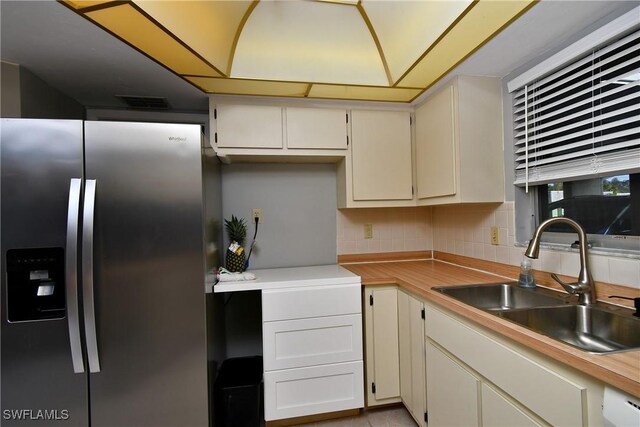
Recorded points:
(466, 230)
(393, 230)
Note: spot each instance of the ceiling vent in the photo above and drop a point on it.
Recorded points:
(144, 102)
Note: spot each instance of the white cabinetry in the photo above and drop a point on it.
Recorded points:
(514, 386)
(316, 128)
(412, 356)
(459, 156)
(453, 391)
(278, 132)
(381, 337)
(312, 343)
(248, 126)
(381, 155)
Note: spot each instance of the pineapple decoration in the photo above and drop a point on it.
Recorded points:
(237, 230)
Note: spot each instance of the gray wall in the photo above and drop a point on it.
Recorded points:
(26, 95)
(10, 90)
(299, 208)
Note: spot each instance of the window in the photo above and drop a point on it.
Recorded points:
(577, 136)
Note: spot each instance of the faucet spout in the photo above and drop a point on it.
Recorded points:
(585, 286)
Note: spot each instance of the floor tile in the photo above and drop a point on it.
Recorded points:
(390, 417)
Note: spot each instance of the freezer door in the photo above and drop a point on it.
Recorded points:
(150, 358)
(39, 160)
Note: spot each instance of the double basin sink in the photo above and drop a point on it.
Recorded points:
(596, 328)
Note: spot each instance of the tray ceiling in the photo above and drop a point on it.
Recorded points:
(358, 50)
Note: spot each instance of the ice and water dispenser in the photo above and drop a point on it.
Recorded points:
(35, 284)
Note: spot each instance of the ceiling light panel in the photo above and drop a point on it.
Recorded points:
(486, 19)
(406, 29)
(129, 24)
(363, 93)
(249, 87)
(310, 42)
(208, 27)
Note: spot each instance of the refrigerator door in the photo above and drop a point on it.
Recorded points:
(148, 275)
(40, 158)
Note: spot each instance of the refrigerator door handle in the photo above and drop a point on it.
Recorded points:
(87, 275)
(71, 274)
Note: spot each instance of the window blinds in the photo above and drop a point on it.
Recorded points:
(582, 120)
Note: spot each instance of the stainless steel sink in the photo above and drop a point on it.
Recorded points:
(593, 328)
(503, 296)
(587, 328)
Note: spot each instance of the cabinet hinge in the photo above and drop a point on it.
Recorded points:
(426, 417)
(412, 191)
(215, 113)
(215, 137)
(347, 117)
(370, 299)
(422, 313)
(347, 139)
(410, 121)
(373, 388)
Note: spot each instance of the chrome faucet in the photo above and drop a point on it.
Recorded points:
(584, 287)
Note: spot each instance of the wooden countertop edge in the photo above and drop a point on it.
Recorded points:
(574, 358)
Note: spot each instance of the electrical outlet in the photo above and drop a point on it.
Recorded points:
(368, 231)
(494, 236)
(256, 213)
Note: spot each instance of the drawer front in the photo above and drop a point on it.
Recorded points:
(313, 390)
(315, 341)
(312, 301)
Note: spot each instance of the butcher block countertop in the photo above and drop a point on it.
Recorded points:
(621, 370)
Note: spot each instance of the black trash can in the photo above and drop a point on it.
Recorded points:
(237, 393)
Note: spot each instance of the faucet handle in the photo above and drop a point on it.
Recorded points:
(572, 288)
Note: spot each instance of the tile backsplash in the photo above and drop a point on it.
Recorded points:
(466, 230)
(393, 230)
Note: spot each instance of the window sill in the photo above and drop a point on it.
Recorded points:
(611, 252)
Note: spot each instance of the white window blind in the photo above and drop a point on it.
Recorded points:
(582, 120)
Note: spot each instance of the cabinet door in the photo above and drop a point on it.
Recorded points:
(404, 343)
(453, 391)
(316, 128)
(382, 346)
(381, 155)
(418, 384)
(499, 412)
(435, 145)
(412, 356)
(248, 126)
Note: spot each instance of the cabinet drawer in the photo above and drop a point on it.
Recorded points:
(312, 301)
(562, 402)
(315, 341)
(313, 390)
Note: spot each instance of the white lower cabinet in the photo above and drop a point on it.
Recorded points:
(412, 356)
(312, 350)
(313, 390)
(381, 331)
(476, 377)
(498, 411)
(309, 342)
(453, 391)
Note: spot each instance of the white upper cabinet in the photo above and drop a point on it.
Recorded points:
(459, 156)
(316, 128)
(248, 126)
(381, 155)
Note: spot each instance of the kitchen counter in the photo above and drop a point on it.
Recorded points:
(273, 278)
(621, 370)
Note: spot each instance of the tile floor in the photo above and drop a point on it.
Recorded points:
(396, 416)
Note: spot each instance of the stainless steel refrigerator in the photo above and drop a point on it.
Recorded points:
(103, 303)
